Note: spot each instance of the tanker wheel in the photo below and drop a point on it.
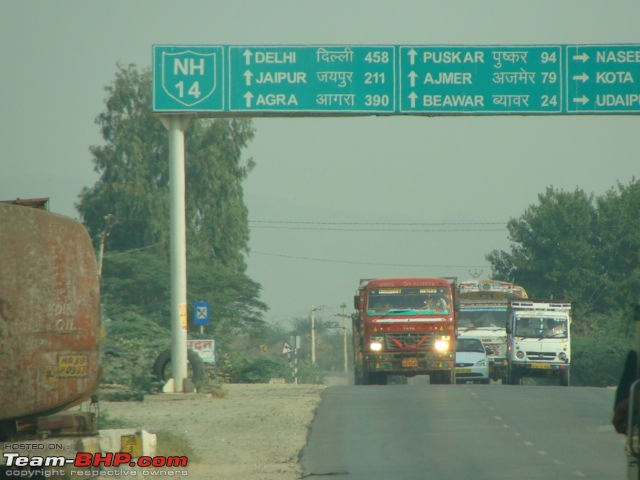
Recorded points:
(195, 367)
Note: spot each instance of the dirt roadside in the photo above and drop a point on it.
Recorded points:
(254, 432)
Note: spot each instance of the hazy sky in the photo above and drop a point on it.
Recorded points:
(335, 173)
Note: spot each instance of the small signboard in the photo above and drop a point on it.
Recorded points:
(205, 348)
(201, 313)
(286, 348)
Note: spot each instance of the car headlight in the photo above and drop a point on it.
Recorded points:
(481, 363)
(520, 354)
(441, 345)
(375, 345)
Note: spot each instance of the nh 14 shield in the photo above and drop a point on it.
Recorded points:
(189, 77)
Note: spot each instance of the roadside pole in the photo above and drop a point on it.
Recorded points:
(176, 125)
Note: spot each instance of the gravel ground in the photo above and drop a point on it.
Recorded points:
(255, 431)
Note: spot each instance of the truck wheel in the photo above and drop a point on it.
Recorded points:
(441, 378)
(162, 366)
(564, 378)
(514, 379)
(374, 378)
(382, 379)
(358, 378)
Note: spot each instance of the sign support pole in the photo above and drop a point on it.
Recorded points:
(176, 125)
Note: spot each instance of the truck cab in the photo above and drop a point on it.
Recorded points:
(538, 341)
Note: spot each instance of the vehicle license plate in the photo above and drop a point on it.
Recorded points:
(541, 365)
(463, 370)
(409, 362)
(73, 365)
(131, 444)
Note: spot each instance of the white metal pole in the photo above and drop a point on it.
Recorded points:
(313, 336)
(176, 125)
(344, 338)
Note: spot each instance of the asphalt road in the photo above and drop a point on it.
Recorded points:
(470, 432)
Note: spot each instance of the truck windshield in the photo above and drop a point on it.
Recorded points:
(409, 301)
(479, 318)
(540, 327)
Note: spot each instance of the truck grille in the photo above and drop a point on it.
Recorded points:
(409, 341)
(544, 356)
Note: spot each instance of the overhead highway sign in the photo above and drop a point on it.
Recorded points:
(342, 80)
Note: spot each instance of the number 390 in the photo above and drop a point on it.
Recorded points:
(376, 100)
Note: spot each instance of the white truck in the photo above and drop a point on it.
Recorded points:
(538, 340)
(482, 313)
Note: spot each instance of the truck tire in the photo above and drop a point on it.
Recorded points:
(358, 377)
(441, 378)
(514, 378)
(374, 378)
(564, 378)
(195, 370)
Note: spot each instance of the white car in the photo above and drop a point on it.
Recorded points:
(472, 364)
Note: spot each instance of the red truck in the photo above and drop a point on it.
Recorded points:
(405, 327)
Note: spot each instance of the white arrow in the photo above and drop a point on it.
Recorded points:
(584, 77)
(247, 76)
(413, 97)
(583, 100)
(412, 78)
(247, 57)
(248, 96)
(412, 56)
(583, 56)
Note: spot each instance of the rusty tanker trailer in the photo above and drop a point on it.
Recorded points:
(49, 321)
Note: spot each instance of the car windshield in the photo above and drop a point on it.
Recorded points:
(541, 327)
(469, 345)
(409, 301)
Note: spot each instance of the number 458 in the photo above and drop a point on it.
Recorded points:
(377, 57)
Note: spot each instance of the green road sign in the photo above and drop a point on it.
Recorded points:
(322, 79)
(307, 80)
(603, 79)
(482, 79)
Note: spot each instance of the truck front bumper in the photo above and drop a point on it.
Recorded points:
(409, 363)
(541, 369)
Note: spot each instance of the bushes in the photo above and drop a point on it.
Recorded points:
(597, 361)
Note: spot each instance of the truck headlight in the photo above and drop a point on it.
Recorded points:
(520, 354)
(562, 356)
(376, 344)
(441, 345)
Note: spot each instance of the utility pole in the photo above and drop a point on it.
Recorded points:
(313, 336)
(110, 220)
(344, 335)
(313, 333)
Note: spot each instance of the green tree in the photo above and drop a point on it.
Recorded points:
(619, 238)
(133, 190)
(554, 249)
(134, 179)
